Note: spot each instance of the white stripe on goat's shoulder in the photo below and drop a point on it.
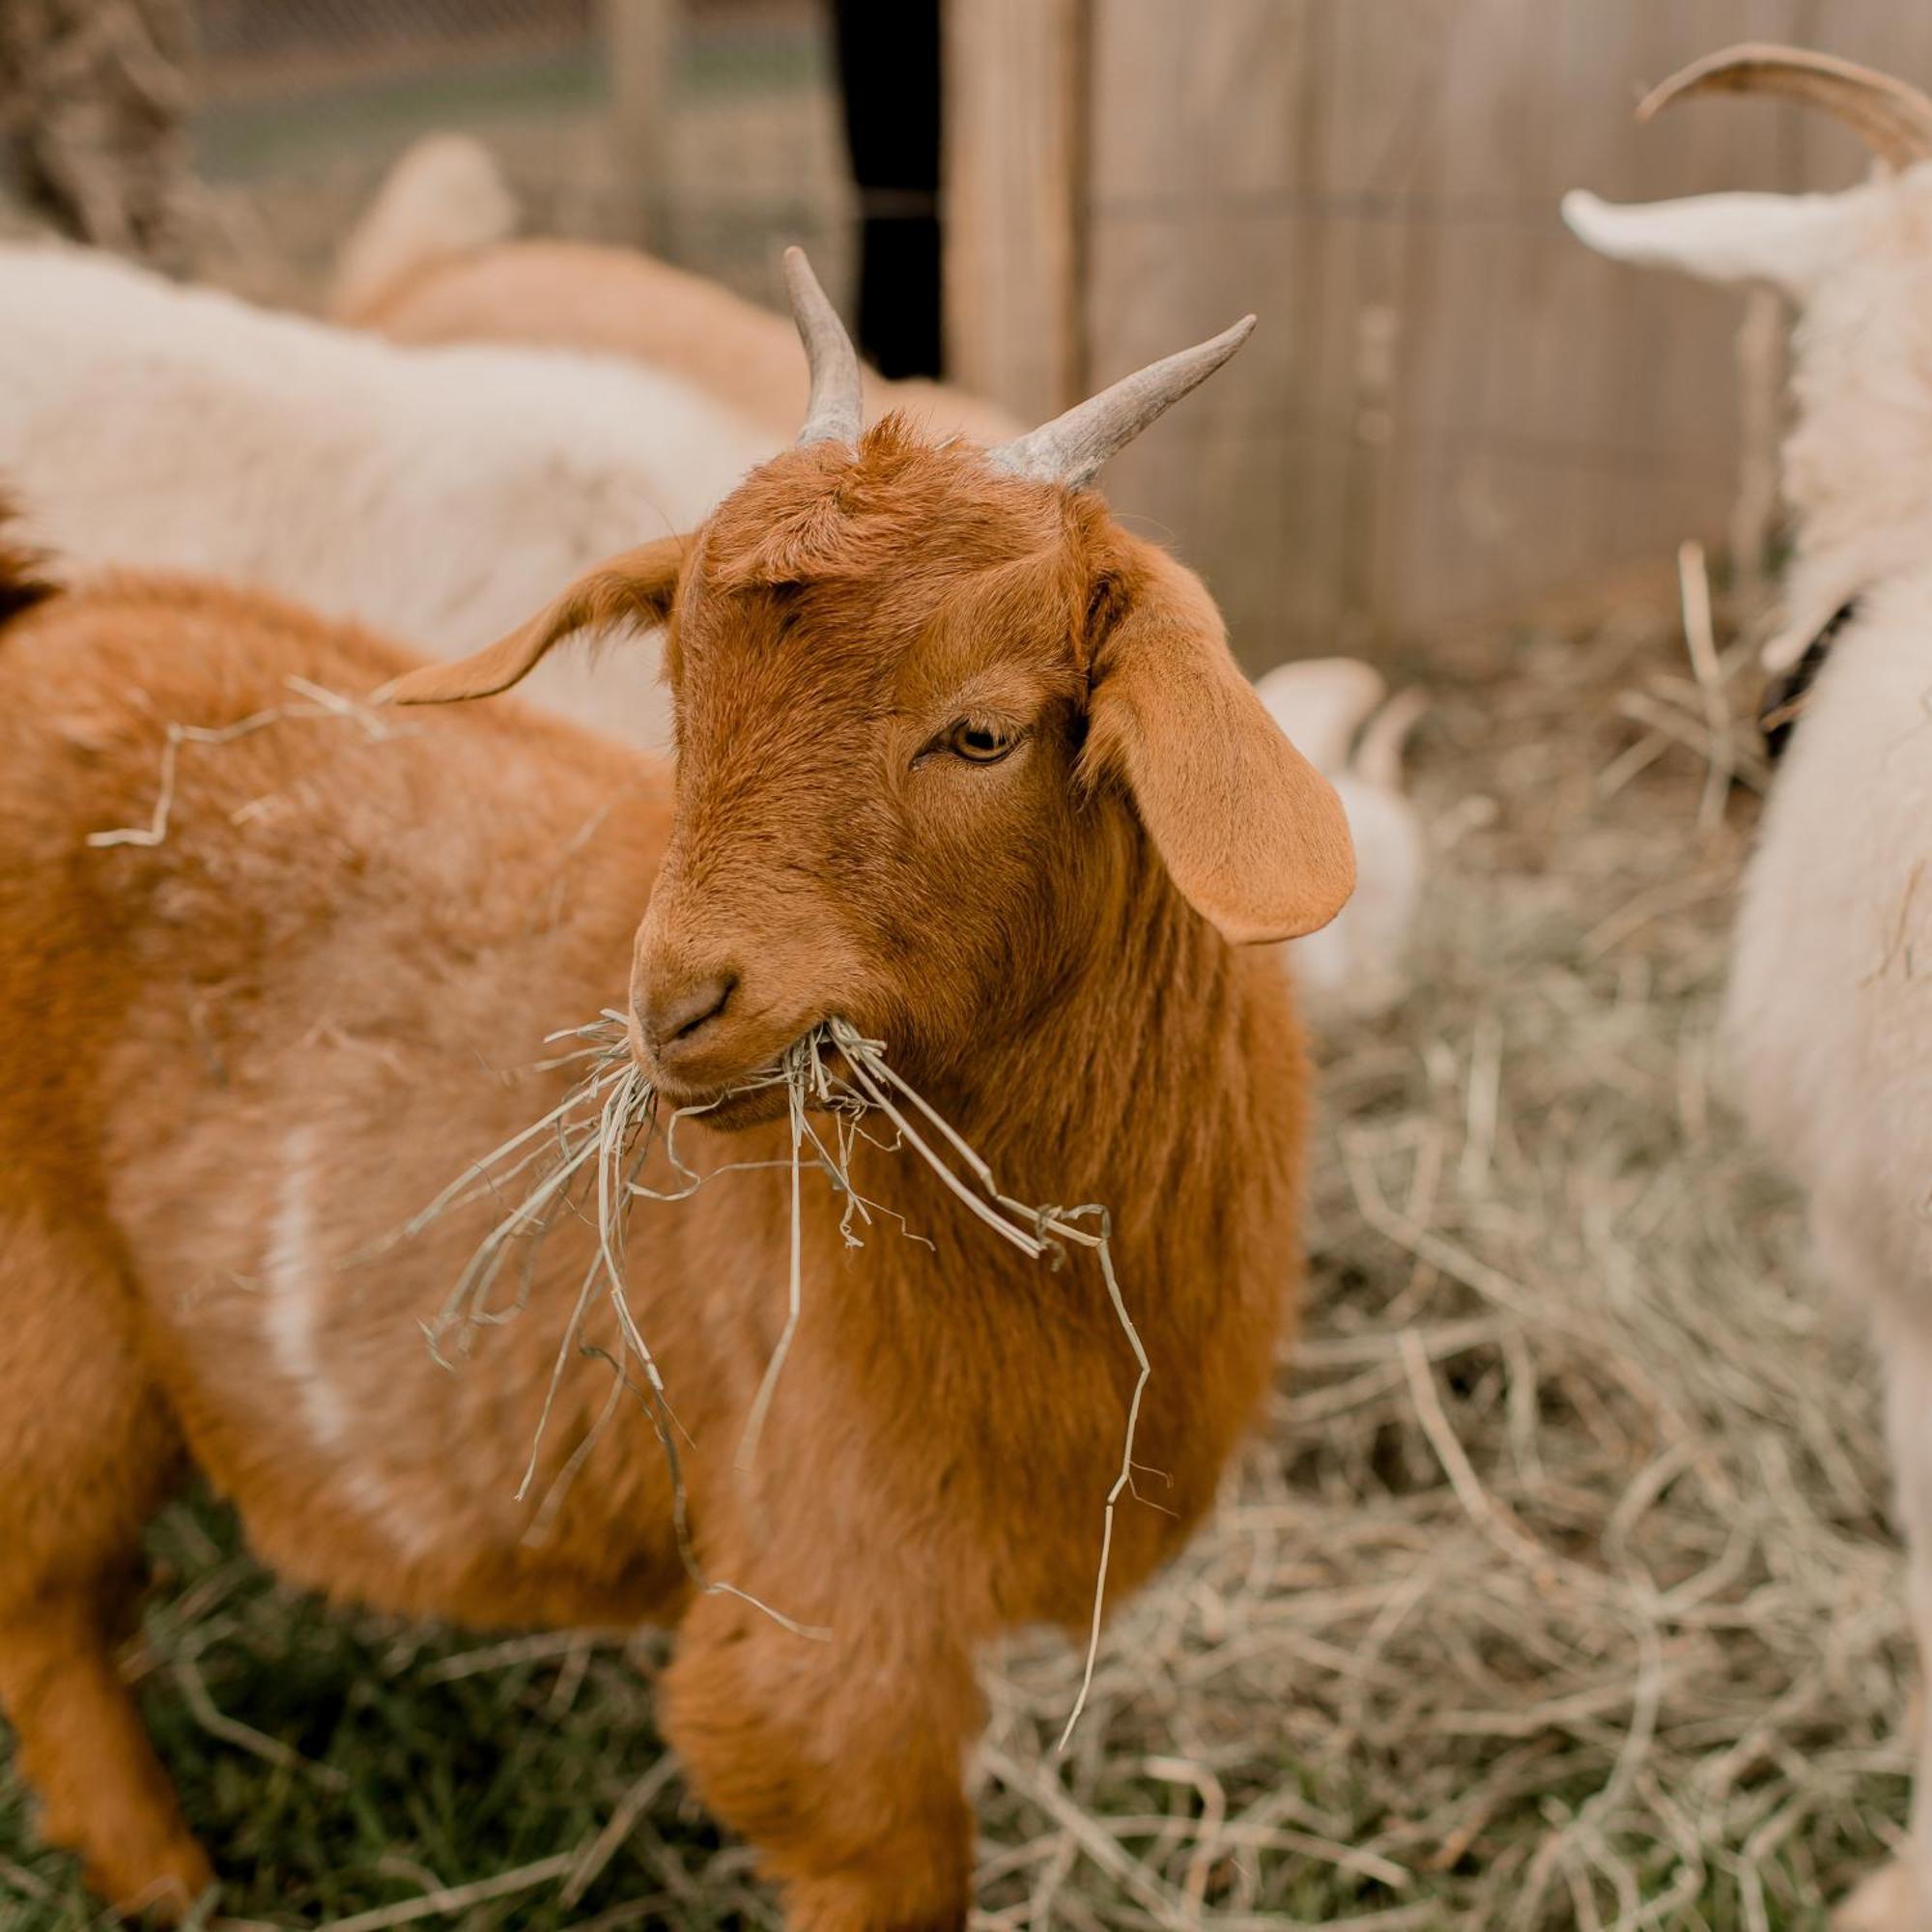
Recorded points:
(295, 1271)
(292, 1316)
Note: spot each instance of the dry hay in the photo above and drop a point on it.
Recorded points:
(1560, 1593)
(308, 701)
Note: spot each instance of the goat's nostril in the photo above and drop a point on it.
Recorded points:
(675, 1018)
(706, 1003)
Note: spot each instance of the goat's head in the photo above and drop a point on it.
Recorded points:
(1857, 263)
(933, 707)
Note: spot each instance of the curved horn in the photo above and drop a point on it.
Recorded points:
(1894, 118)
(1072, 447)
(832, 412)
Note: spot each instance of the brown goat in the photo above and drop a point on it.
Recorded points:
(958, 760)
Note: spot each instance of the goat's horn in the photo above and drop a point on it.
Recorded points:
(1894, 118)
(832, 412)
(1072, 447)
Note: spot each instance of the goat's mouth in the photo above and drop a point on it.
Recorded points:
(727, 1109)
(809, 1068)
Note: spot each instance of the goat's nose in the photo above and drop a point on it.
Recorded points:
(673, 1016)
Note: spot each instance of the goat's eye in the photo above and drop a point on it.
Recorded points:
(978, 741)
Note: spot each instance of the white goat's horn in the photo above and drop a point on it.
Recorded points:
(1894, 118)
(1072, 447)
(832, 412)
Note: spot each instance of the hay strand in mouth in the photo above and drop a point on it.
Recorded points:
(585, 1157)
(1033, 1231)
(762, 1402)
(588, 1152)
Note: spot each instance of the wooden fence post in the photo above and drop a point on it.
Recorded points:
(641, 43)
(1015, 80)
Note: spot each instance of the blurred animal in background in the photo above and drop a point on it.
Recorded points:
(1827, 1019)
(962, 763)
(433, 260)
(440, 492)
(1335, 711)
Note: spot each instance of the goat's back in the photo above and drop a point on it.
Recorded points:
(439, 493)
(245, 1045)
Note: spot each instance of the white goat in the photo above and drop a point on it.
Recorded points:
(436, 492)
(1358, 963)
(1826, 1019)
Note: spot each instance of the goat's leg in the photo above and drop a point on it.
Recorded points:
(1899, 1898)
(843, 1761)
(84, 1751)
(87, 1454)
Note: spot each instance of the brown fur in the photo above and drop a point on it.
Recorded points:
(231, 1063)
(619, 301)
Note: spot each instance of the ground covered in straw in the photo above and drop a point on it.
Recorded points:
(1559, 1593)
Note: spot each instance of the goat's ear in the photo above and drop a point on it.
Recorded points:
(1251, 833)
(1790, 241)
(635, 587)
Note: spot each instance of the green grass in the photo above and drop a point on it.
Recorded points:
(414, 1776)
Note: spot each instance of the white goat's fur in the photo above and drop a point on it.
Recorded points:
(295, 1302)
(437, 494)
(1358, 963)
(1828, 1021)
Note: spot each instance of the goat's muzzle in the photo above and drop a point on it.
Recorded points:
(702, 1041)
(681, 1013)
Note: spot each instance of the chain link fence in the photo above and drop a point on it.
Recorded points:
(296, 111)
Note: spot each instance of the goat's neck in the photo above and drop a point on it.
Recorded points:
(1094, 1093)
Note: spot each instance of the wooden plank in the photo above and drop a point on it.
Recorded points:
(1182, 103)
(641, 44)
(1451, 405)
(1015, 154)
(1205, 154)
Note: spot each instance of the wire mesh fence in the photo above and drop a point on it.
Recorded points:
(296, 111)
